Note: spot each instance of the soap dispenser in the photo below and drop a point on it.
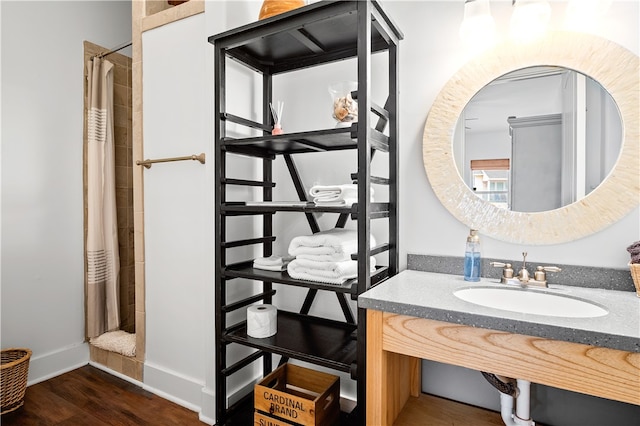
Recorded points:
(472, 258)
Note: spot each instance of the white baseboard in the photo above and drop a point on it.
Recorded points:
(52, 364)
(205, 415)
(176, 387)
(242, 392)
(116, 373)
(208, 406)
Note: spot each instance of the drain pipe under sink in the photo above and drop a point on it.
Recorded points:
(520, 392)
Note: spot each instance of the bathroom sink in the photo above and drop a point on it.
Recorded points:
(530, 302)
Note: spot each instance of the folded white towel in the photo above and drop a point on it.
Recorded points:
(282, 267)
(335, 244)
(273, 260)
(272, 263)
(332, 192)
(325, 272)
(336, 194)
(338, 203)
(333, 257)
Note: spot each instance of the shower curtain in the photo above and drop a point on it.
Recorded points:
(103, 263)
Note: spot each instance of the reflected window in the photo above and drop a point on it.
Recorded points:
(490, 181)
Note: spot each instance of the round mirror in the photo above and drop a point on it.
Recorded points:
(615, 68)
(537, 139)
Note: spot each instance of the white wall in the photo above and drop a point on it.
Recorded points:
(431, 52)
(42, 225)
(179, 219)
(178, 202)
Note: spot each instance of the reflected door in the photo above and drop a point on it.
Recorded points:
(536, 155)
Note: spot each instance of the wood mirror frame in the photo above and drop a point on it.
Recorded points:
(613, 66)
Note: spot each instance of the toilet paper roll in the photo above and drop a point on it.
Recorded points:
(262, 321)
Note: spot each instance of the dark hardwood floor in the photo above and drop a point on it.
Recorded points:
(90, 397)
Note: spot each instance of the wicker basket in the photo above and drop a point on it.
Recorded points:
(635, 274)
(13, 380)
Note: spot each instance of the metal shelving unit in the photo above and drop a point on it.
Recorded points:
(313, 35)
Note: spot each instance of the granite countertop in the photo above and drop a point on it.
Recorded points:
(430, 295)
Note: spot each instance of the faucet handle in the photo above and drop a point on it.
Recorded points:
(507, 271)
(540, 274)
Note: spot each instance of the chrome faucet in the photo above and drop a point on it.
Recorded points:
(524, 278)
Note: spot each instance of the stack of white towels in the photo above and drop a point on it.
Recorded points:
(336, 195)
(326, 256)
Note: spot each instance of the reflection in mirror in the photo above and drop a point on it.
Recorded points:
(537, 139)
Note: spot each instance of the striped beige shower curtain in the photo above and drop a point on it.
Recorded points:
(103, 263)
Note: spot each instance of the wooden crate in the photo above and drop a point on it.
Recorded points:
(295, 395)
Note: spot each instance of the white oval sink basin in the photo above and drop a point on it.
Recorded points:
(530, 302)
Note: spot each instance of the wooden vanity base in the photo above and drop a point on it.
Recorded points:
(396, 344)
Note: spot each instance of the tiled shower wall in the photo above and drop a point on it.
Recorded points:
(122, 105)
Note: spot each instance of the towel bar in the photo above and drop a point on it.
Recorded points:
(147, 163)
